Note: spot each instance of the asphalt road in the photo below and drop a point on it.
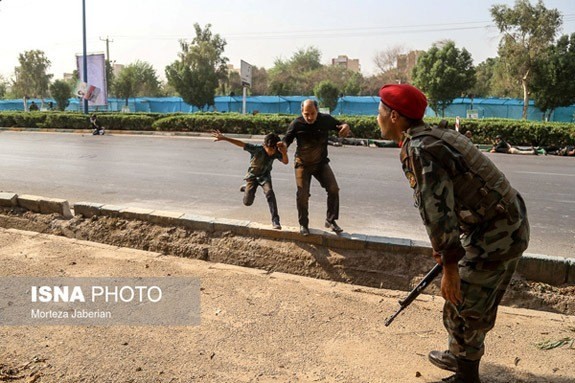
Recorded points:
(199, 176)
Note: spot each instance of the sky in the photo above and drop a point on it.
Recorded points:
(257, 31)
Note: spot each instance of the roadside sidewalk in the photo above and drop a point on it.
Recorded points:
(257, 327)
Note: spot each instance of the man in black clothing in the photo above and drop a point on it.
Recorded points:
(311, 130)
(502, 146)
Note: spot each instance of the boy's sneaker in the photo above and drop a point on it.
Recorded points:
(243, 188)
(333, 226)
(276, 225)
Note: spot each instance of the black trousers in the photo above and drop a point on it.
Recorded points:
(250, 195)
(326, 178)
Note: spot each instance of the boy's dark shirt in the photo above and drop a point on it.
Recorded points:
(311, 139)
(260, 163)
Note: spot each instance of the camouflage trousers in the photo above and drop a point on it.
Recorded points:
(492, 254)
(468, 323)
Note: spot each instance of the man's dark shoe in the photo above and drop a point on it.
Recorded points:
(243, 188)
(443, 359)
(333, 226)
(276, 225)
(303, 230)
(467, 372)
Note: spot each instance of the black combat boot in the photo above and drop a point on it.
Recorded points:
(467, 372)
(443, 359)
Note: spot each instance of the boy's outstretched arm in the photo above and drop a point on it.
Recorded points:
(218, 136)
(282, 148)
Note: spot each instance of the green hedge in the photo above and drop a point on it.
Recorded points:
(517, 132)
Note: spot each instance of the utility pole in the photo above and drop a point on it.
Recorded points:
(85, 58)
(108, 41)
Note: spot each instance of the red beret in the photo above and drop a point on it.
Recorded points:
(406, 99)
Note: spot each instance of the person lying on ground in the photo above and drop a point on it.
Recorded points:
(502, 146)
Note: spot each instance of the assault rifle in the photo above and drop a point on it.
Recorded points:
(415, 292)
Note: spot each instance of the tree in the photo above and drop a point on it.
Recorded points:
(259, 81)
(126, 83)
(200, 68)
(150, 85)
(503, 84)
(353, 85)
(110, 77)
(444, 73)
(484, 73)
(282, 81)
(552, 73)
(395, 66)
(527, 32)
(298, 75)
(61, 92)
(3, 87)
(327, 94)
(31, 77)
(137, 80)
(339, 76)
(234, 84)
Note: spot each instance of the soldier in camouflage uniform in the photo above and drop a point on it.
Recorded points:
(476, 221)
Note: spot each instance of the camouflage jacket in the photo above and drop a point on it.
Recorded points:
(458, 190)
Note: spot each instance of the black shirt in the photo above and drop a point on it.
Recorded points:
(311, 139)
(501, 147)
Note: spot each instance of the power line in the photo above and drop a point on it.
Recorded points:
(348, 32)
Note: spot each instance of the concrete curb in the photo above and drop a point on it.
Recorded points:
(130, 132)
(43, 205)
(8, 199)
(534, 267)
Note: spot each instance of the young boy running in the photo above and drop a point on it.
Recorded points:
(259, 172)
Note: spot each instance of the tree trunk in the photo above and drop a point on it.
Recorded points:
(525, 95)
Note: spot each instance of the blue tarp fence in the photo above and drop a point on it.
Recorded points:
(349, 105)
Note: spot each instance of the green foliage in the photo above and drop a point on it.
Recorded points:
(551, 344)
(31, 78)
(517, 132)
(233, 85)
(137, 79)
(200, 68)
(22, 119)
(353, 85)
(61, 92)
(259, 81)
(327, 94)
(226, 122)
(298, 75)
(110, 78)
(125, 121)
(551, 72)
(443, 73)
(3, 86)
(484, 73)
(66, 120)
(527, 32)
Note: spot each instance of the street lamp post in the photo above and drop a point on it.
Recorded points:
(85, 58)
